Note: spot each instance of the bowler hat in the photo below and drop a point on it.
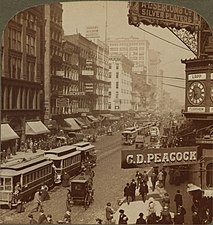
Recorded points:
(121, 211)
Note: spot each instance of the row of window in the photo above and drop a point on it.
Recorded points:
(31, 21)
(124, 91)
(125, 82)
(37, 174)
(56, 36)
(30, 45)
(14, 39)
(138, 49)
(15, 67)
(70, 161)
(56, 18)
(125, 43)
(70, 73)
(70, 88)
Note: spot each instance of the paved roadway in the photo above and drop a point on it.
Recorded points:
(109, 182)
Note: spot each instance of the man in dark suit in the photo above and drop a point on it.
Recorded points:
(141, 220)
(178, 200)
(42, 218)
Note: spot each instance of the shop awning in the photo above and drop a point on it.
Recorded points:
(93, 119)
(114, 118)
(80, 122)
(7, 133)
(35, 128)
(208, 193)
(72, 124)
(192, 187)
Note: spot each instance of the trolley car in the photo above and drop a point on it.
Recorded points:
(65, 159)
(30, 173)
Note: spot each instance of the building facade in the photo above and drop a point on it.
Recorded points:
(22, 89)
(87, 71)
(120, 75)
(135, 49)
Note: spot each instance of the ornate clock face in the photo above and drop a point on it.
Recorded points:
(196, 93)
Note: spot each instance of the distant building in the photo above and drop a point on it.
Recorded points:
(135, 49)
(120, 74)
(155, 77)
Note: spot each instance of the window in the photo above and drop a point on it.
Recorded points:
(30, 45)
(109, 93)
(14, 38)
(117, 74)
(209, 175)
(15, 67)
(117, 84)
(117, 66)
(110, 66)
(110, 74)
(116, 95)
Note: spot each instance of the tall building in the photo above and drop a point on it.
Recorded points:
(155, 77)
(120, 91)
(23, 48)
(135, 49)
(87, 71)
(53, 77)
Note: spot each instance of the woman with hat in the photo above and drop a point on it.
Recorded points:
(32, 220)
(122, 218)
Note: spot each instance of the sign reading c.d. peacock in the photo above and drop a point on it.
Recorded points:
(155, 157)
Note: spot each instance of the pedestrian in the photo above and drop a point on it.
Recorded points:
(127, 193)
(152, 218)
(98, 221)
(153, 180)
(138, 177)
(65, 180)
(182, 211)
(143, 190)
(122, 218)
(37, 200)
(32, 220)
(160, 178)
(49, 219)
(166, 200)
(164, 176)
(132, 189)
(69, 202)
(178, 200)
(67, 216)
(177, 218)
(20, 207)
(145, 177)
(141, 220)
(42, 217)
(44, 193)
(171, 176)
(196, 218)
(109, 212)
(177, 177)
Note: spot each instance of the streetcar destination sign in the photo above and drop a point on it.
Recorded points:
(162, 156)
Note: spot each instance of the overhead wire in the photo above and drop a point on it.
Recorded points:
(174, 86)
(154, 35)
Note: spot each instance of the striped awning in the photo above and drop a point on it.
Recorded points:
(35, 128)
(72, 125)
(93, 119)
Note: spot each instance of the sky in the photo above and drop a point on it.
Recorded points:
(78, 15)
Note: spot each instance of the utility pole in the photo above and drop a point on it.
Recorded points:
(106, 22)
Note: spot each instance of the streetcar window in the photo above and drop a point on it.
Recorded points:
(1, 183)
(57, 163)
(209, 174)
(8, 186)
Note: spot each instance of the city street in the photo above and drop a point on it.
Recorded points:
(109, 183)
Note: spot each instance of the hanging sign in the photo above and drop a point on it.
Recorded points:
(155, 157)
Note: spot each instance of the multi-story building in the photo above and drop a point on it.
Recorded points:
(120, 75)
(88, 71)
(53, 75)
(135, 49)
(23, 46)
(70, 80)
(102, 76)
(155, 77)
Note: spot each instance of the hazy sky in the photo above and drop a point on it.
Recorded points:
(78, 15)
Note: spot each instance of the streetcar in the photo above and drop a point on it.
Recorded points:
(129, 135)
(29, 174)
(88, 153)
(65, 159)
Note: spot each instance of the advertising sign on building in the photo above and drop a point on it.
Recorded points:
(62, 102)
(156, 157)
(198, 76)
(80, 110)
(164, 15)
(60, 73)
(87, 72)
(76, 93)
(89, 87)
(92, 32)
(196, 109)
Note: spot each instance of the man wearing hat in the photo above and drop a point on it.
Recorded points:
(122, 218)
(32, 220)
(141, 220)
(42, 218)
(98, 221)
(109, 212)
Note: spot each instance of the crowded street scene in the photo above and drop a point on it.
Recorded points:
(106, 117)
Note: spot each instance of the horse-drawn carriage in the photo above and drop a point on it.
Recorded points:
(82, 191)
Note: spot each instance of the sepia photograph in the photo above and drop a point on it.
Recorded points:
(106, 112)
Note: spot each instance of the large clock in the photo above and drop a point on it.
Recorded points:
(196, 93)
